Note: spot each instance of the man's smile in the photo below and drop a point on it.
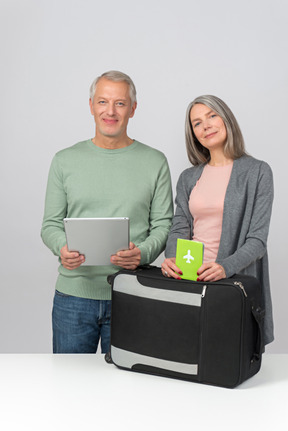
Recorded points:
(110, 120)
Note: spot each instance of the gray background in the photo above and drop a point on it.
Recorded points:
(174, 51)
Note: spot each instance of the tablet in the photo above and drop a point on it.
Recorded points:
(97, 238)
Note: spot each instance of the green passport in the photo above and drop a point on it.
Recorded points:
(189, 257)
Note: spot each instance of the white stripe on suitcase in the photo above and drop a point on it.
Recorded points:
(126, 359)
(129, 285)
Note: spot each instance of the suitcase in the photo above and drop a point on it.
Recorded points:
(206, 332)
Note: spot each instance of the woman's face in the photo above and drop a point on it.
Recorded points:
(208, 127)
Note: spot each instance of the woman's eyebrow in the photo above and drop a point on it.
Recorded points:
(199, 119)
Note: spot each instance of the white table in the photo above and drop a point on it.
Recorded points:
(79, 392)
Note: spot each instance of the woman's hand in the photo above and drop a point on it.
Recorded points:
(210, 271)
(169, 269)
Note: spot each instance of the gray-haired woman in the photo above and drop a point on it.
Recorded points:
(224, 200)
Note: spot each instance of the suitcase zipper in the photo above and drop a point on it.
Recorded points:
(238, 283)
(203, 291)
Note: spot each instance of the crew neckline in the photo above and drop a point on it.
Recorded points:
(112, 151)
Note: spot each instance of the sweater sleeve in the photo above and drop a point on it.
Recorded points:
(161, 213)
(52, 231)
(182, 226)
(255, 242)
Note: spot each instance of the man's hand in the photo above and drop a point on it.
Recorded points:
(211, 271)
(71, 259)
(128, 259)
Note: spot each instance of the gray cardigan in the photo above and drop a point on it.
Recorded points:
(246, 219)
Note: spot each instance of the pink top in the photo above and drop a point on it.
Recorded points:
(206, 205)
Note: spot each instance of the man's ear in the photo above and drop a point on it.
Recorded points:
(91, 106)
(134, 106)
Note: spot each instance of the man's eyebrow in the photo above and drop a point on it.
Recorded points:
(117, 100)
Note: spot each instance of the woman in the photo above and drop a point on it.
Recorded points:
(224, 200)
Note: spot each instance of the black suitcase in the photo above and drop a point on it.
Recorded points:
(207, 332)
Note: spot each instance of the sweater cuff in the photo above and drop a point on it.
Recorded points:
(144, 255)
(228, 268)
(59, 246)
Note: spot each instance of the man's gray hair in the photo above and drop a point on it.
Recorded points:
(234, 146)
(115, 76)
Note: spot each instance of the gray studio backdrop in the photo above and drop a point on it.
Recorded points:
(174, 51)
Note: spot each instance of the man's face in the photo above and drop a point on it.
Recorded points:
(112, 108)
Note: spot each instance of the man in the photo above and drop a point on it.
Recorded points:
(110, 175)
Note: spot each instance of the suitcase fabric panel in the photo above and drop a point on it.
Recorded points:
(222, 335)
(152, 365)
(153, 278)
(151, 327)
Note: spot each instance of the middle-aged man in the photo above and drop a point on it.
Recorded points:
(110, 175)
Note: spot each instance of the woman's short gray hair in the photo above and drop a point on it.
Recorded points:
(115, 76)
(234, 146)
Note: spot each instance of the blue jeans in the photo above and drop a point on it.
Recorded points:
(79, 323)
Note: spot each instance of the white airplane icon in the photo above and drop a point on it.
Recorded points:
(188, 257)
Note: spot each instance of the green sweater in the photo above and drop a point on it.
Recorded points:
(88, 181)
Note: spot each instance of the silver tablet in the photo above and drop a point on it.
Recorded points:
(97, 238)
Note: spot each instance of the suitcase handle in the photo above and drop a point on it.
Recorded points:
(258, 314)
(110, 277)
